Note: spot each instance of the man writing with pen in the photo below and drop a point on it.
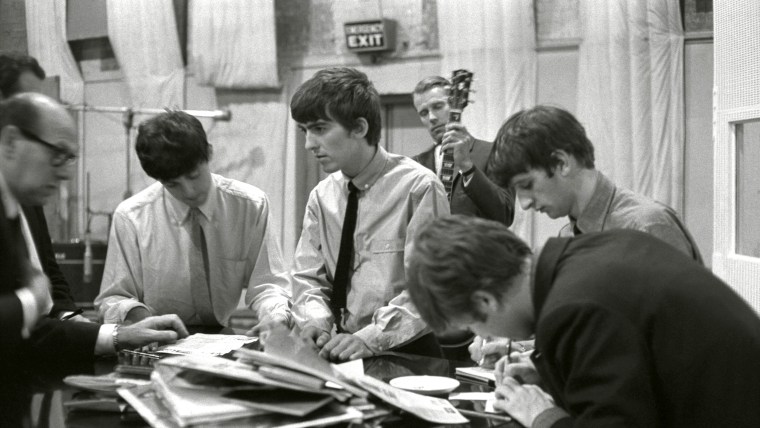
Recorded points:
(626, 326)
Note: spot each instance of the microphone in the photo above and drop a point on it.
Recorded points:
(87, 274)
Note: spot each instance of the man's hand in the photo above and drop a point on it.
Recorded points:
(522, 402)
(517, 366)
(345, 347)
(136, 315)
(486, 352)
(267, 323)
(459, 139)
(316, 335)
(161, 329)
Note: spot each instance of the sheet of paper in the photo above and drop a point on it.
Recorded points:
(431, 409)
(207, 344)
(350, 368)
(472, 396)
(477, 373)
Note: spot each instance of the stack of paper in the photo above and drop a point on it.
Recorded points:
(287, 384)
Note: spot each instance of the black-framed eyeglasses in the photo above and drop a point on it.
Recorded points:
(60, 157)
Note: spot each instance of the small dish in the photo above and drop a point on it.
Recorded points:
(427, 385)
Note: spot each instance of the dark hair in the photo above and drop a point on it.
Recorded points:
(20, 110)
(12, 64)
(340, 94)
(454, 256)
(529, 139)
(171, 144)
(429, 83)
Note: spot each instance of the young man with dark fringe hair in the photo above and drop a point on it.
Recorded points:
(190, 243)
(349, 265)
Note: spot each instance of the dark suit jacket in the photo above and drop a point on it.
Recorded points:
(62, 300)
(50, 339)
(632, 332)
(482, 197)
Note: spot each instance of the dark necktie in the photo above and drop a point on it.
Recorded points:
(199, 272)
(340, 279)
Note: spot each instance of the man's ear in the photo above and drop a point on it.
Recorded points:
(484, 302)
(564, 162)
(361, 128)
(8, 137)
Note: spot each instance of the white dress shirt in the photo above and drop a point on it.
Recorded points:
(147, 264)
(396, 197)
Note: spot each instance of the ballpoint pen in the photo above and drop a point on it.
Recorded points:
(72, 315)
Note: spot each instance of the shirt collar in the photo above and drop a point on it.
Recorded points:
(180, 211)
(372, 172)
(594, 216)
(10, 203)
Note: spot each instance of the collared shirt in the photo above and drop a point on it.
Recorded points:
(147, 264)
(613, 207)
(396, 197)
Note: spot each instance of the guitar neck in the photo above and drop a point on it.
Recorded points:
(455, 115)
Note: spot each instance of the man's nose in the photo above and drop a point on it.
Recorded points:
(310, 144)
(526, 202)
(64, 172)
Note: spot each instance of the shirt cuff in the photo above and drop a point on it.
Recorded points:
(29, 309)
(549, 417)
(375, 338)
(104, 343)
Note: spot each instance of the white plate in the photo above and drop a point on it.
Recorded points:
(429, 385)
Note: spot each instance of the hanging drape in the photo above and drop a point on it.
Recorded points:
(47, 42)
(496, 40)
(46, 39)
(233, 44)
(630, 93)
(143, 34)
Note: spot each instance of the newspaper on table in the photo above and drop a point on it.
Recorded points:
(284, 348)
(206, 344)
(150, 407)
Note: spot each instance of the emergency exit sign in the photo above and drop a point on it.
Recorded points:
(369, 36)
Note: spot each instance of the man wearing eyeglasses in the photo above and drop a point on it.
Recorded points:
(37, 148)
(22, 73)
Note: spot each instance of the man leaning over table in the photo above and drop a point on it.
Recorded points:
(348, 282)
(192, 242)
(629, 331)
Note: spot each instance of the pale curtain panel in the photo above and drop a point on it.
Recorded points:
(630, 93)
(496, 40)
(143, 34)
(233, 44)
(46, 39)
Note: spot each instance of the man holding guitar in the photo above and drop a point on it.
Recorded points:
(460, 161)
(439, 104)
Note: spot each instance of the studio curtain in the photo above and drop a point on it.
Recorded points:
(630, 93)
(144, 37)
(47, 42)
(233, 43)
(497, 41)
(46, 39)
